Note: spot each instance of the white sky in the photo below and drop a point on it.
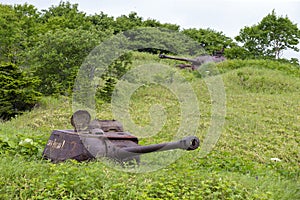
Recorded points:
(228, 16)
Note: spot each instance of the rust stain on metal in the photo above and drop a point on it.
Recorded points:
(109, 140)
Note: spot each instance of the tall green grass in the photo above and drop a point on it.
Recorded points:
(262, 122)
(286, 68)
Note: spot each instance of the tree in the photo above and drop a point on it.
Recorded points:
(10, 34)
(28, 16)
(110, 78)
(155, 23)
(18, 30)
(162, 40)
(124, 22)
(211, 40)
(103, 23)
(17, 91)
(58, 56)
(65, 15)
(236, 52)
(270, 37)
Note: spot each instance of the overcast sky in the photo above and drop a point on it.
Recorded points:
(228, 16)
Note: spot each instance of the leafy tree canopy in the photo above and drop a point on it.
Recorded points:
(211, 40)
(58, 56)
(54, 42)
(65, 15)
(270, 37)
(10, 34)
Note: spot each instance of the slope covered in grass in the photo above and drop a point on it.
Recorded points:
(262, 122)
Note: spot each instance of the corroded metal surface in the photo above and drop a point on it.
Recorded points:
(104, 138)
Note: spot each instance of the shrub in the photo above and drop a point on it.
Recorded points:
(115, 71)
(17, 91)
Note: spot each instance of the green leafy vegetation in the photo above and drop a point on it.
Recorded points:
(58, 55)
(261, 123)
(256, 157)
(17, 91)
(270, 37)
(211, 40)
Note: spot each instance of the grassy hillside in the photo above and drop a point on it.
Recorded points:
(262, 122)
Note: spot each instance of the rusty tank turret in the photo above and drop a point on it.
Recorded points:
(103, 138)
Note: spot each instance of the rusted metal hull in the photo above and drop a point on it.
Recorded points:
(64, 145)
(67, 144)
(103, 138)
(120, 146)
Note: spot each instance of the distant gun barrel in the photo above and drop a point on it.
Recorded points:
(194, 61)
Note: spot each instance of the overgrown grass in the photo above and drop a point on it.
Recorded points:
(262, 122)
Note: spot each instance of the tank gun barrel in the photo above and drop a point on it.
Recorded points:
(194, 61)
(198, 60)
(187, 143)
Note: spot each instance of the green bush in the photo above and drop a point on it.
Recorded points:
(58, 56)
(17, 91)
(115, 71)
